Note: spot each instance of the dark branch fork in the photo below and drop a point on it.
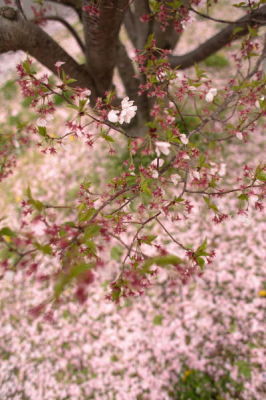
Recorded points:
(221, 39)
(102, 47)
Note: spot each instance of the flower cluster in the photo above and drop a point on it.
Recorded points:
(128, 111)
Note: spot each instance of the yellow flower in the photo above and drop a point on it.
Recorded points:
(186, 374)
(262, 293)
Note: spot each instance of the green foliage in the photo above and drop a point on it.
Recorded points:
(58, 100)
(36, 204)
(7, 232)
(158, 319)
(188, 123)
(115, 164)
(244, 368)
(9, 89)
(260, 175)
(116, 253)
(74, 272)
(198, 385)
(162, 261)
(216, 61)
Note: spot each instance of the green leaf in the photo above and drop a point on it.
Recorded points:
(107, 137)
(73, 106)
(42, 131)
(38, 205)
(58, 100)
(201, 161)
(116, 253)
(116, 292)
(243, 196)
(71, 80)
(178, 200)
(85, 215)
(10, 89)
(244, 368)
(161, 261)
(201, 249)
(200, 262)
(131, 179)
(253, 32)
(28, 193)
(28, 68)
(210, 204)
(148, 239)
(238, 29)
(45, 249)
(91, 230)
(199, 72)
(158, 320)
(66, 278)
(144, 186)
(7, 232)
(149, 41)
(91, 248)
(261, 175)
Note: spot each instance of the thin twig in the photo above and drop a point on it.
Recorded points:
(226, 191)
(19, 6)
(170, 235)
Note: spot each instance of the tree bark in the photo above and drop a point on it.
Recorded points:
(101, 38)
(75, 4)
(18, 34)
(220, 40)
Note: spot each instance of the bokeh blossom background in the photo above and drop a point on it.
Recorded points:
(145, 347)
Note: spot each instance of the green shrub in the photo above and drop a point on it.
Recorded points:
(216, 61)
(198, 385)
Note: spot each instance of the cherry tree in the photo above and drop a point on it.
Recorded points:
(176, 124)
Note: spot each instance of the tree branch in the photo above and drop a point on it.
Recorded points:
(143, 29)
(131, 84)
(138, 31)
(221, 39)
(127, 72)
(74, 4)
(68, 26)
(19, 7)
(101, 38)
(130, 25)
(166, 39)
(19, 34)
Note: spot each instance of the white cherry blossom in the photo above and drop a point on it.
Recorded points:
(128, 111)
(59, 64)
(9, 276)
(183, 138)
(239, 135)
(158, 162)
(175, 178)
(210, 95)
(222, 170)
(155, 174)
(125, 115)
(42, 122)
(113, 116)
(162, 148)
(257, 104)
(196, 175)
